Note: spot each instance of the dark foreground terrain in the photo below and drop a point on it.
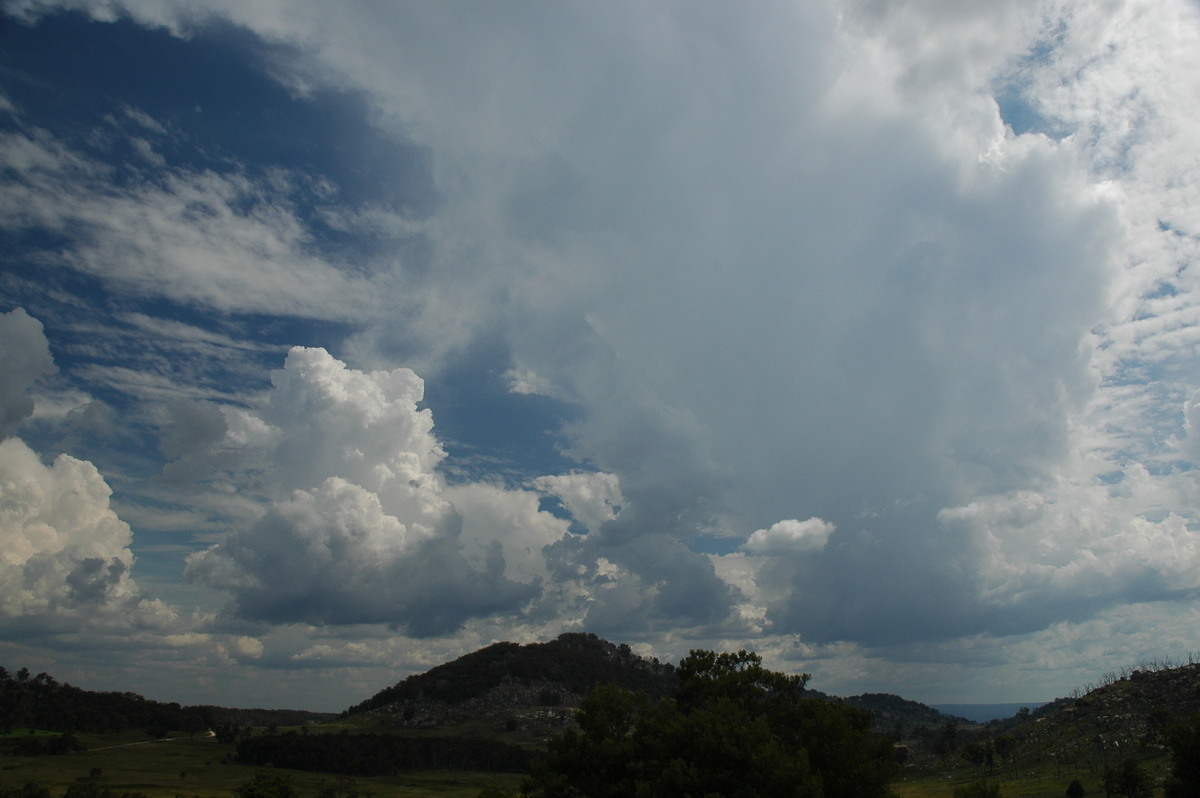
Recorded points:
(484, 722)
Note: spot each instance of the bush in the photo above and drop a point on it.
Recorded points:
(1129, 779)
(1184, 739)
(267, 785)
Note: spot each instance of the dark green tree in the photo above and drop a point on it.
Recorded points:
(733, 729)
(1129, 779)
(975, 753)
(1184, 739)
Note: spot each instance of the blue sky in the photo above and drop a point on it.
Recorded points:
(341, 340)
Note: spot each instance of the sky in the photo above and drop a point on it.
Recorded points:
(340, 340)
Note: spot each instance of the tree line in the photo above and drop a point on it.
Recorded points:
(40, 701)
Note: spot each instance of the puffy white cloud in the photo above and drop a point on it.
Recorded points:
(512, 518)
(592, 498)
(65, 558)
(790, 537)
(333, 556)
(360, 527)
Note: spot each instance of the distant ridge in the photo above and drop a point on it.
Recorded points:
(982, 713)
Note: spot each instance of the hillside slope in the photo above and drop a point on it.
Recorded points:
(501, 678)
(1126, 717)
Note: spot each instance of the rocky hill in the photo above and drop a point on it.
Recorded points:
(1127, 716)
(536, 687)
(509, 681)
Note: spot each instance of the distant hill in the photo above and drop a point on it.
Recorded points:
(900, 718)
(505, 676)
(982, 713)
(42, 702)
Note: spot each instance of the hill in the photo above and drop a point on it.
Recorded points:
(1127, 716)
(507, 678)
(902, 719)
(1121, 723)
(535, 687)
(41, 702)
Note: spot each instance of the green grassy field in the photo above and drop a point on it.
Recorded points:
(1027, 781)
(200, 766)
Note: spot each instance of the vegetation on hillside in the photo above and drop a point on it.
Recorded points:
(719, 724)
(733, 728)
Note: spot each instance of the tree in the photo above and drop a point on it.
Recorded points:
(975, 753)
(1075, 789)
(1129, 779)
(705, 676)
(733, 728)
(1184, 740)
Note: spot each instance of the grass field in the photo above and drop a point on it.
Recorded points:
(200, 766)
(1044, 781)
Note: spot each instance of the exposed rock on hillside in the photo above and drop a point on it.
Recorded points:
(1127, 715)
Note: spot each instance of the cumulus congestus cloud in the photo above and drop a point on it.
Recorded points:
(65, 559)
(360, 529)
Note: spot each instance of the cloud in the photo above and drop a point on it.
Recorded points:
(591, 498)
(359, 526)
(227, 240)
(1064, 552)
(332, 556)
(797, 264)
(24, 358)
(66, 566)
(790, 537)
(65, 562)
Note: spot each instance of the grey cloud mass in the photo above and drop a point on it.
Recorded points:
(864, 333)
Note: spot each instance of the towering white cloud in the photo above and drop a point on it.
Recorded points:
(65, 561)
(64, 549)
(360, 527)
